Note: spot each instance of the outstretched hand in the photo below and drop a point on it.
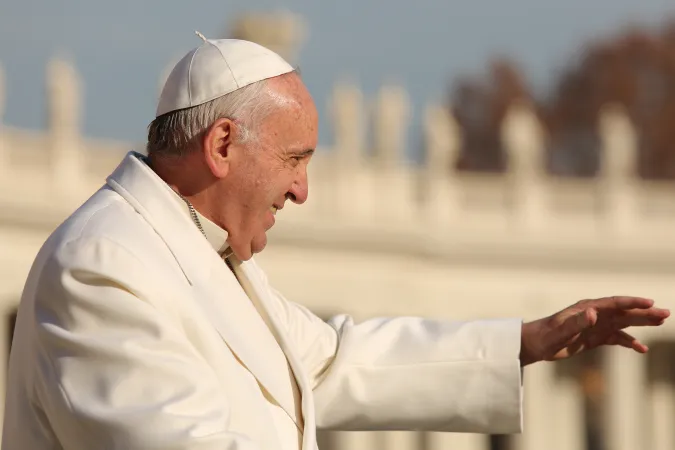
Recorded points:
(588, 324)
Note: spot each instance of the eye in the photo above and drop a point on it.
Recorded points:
(295, 160)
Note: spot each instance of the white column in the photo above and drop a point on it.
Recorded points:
(401, 440)
(356, 440)
(624, 412)
(662, 398)
(553, 410)
(457, 441)
(538, 423)
(662, 405)
(568, 409)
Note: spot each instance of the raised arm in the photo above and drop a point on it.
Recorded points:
(409, 373)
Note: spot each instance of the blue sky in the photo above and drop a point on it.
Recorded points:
(121, 47)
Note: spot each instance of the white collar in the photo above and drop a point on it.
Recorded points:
(215, 235)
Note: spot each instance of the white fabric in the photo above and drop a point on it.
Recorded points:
(215, 68)
(290, 434)
(133, 334)
(216, 236)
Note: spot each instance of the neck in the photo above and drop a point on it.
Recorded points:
(198, 189)
(186, 177)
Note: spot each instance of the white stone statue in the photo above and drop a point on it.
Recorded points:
(64, 97)
(3, 150)
(280, 31)
(390, 125)
(349, 123)
(619, 143)
(442, 137)
(65, 153)
(618, 169)
(523, 137)
(3, 98)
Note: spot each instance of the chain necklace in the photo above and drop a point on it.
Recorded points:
(198, 222)
(193, 214)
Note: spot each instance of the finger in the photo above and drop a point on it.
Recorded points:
(626, 340)
(641, 317)
(657, 313)
(622, 302)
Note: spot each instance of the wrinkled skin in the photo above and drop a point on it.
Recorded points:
(240, 184)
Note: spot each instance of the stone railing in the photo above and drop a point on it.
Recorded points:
(348, 187)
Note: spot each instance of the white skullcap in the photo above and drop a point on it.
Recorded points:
(215, 68)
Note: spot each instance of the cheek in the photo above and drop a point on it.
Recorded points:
(261, 198)
(276, 185)
(266, 186)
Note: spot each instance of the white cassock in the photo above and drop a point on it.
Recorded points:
(133, 333)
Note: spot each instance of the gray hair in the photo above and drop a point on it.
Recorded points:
(175, 133)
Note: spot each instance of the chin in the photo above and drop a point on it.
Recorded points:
(258, 244)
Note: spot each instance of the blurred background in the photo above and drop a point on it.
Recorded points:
(476, 160)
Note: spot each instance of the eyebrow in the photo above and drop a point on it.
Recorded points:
(307, 152)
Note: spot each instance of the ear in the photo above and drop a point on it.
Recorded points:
(217, 142)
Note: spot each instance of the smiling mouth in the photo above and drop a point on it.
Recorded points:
(274, 210)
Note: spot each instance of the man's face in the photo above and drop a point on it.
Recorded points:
(270, 169)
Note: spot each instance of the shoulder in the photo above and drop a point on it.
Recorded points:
(109, 218)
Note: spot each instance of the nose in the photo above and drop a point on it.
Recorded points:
(299, 190)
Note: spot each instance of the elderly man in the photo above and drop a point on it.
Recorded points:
(145, 322)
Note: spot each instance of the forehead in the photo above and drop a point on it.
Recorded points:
(295, 120)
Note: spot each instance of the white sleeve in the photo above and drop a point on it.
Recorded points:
(410, 373)
(418, 374)
(115, 372)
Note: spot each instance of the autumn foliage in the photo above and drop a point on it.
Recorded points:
(635, 68)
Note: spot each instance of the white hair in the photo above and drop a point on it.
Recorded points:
(175, 133)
